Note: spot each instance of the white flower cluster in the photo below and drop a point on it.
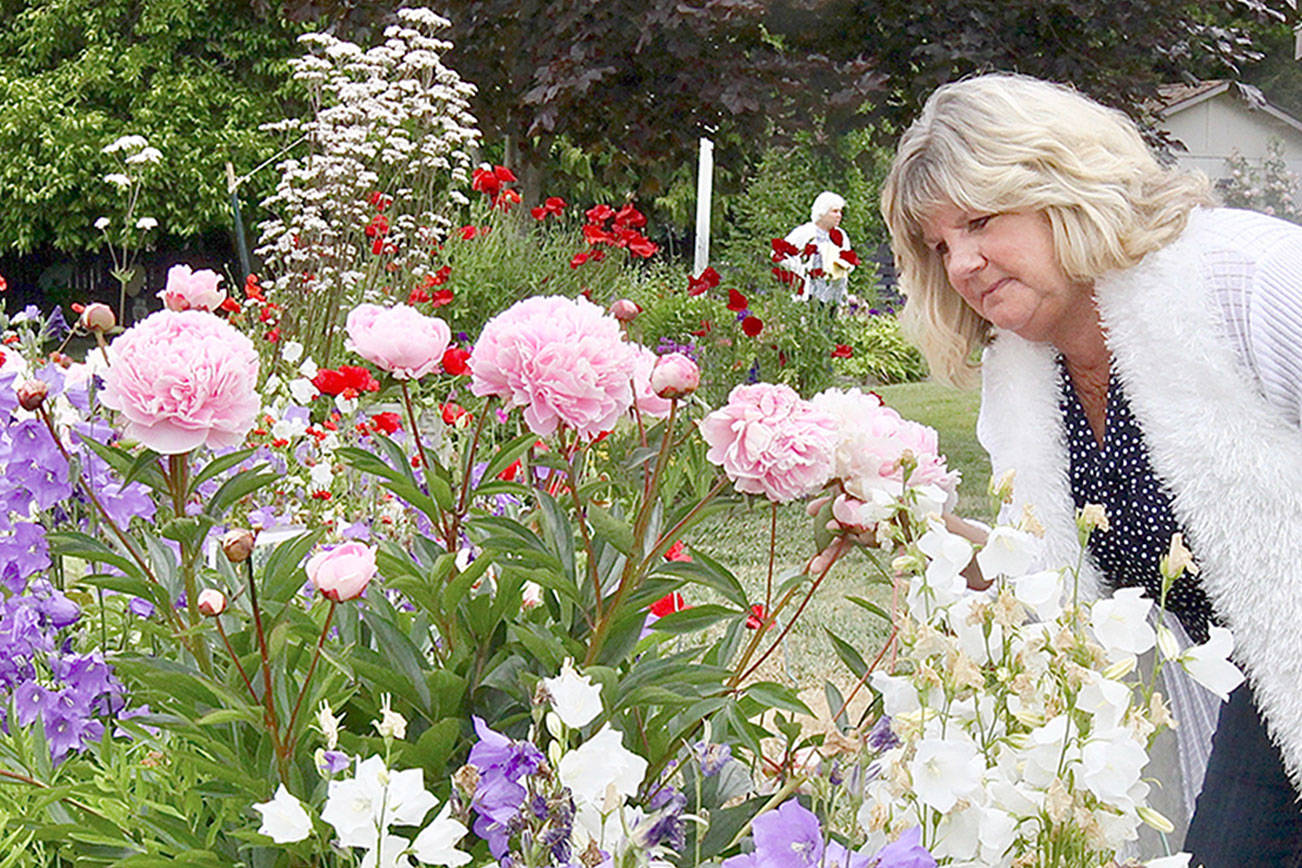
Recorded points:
(391, 120)
(1020, 724)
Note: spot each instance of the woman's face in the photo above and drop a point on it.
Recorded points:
(829, 220)
(1004, 267)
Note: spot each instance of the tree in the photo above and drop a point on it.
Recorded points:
(195, 77)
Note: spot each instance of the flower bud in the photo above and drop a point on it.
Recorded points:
(238, 544)
(675, 376)
(625, 310)
(212, 602)
(31, 394)
(63, 360)
(98, 317)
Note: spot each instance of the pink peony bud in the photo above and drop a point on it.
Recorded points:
(625, 310)
(343, 572)
(212, 602)
(98, 317)
(237, 544)
(192, 290)
(675, 376)
(31, 394)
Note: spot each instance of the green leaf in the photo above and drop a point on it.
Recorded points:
(871, 607)
(282, 576)
(770, 694)
(218, 465)
(615, 531)
(849, 656)
(509, 452)
(836, 703)
(236, 487)
(705, 570)
(229, 715)
(694, 619)
(79, 545)
(397, 647)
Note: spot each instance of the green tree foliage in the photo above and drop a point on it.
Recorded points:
(195, 77)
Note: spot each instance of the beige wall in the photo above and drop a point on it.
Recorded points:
(1214, 128)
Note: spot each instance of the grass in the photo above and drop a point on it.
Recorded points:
(739, 537)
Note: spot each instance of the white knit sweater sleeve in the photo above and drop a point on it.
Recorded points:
(1254, 265)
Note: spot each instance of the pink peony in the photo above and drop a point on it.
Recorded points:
(192, 290)
(644, 396)
(675, 376)
(871, 440)
(561, 359)
(343, 572)
(399, 339)
(769, 441)
(182, 380)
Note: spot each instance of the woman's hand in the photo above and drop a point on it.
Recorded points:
(973, 533)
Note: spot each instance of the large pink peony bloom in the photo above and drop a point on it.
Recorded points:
(192, 290)
(561, 359)
(182, 380)
(769, 441)
(400, 339)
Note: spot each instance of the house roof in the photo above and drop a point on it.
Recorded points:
(1175, 98)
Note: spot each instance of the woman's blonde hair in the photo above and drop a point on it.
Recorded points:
(1005, 142)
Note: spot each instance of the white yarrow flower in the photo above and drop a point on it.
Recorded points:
(102, 223)
(575, 698)
(144, 224)
(117, 179)
(283, 818)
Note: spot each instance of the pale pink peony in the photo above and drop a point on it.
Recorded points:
(183, 380)
(675, 376)
(872, 438)
(343, 572)
(647, 401)
(561, 359)
(192, 290)
(769, 441)
(399, 339)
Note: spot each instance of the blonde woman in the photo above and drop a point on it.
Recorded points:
(1141, 349)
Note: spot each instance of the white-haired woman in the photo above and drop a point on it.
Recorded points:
(1139, 349)
(819, 244)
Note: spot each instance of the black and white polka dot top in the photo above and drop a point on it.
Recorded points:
(1141, 522)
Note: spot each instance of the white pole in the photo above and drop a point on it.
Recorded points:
(704, 184)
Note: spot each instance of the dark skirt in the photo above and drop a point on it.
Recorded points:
(1247, 815)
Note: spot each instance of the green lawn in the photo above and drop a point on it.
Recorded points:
(740, 538)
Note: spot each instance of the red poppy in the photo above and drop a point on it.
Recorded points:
(380, 200)
(842, 351)
(554, 204)
(593, 233)
(752, 326)
(253, 289)
(417, 296)
(782, 358)
(579, 259)
(667, 604)
(599, 213)
(676, 552)
(273, 335)
(703, 330)
(643, 247)
(468, 232)
(454, 361)
(756, 617)
(783, 247)
(386, 422)
(629, 216)
(505, 199)
(442, 297)
(230, 305)
(784, 276)
(4, 284)
(452, 412)
(737, 301)
(597, 255)
(510, 472)
(706, 280)
(838, 238)
(379, 226)
(850, 256)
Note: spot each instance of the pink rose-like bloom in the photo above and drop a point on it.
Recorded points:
(563, 360)
(769, 441)
(183, 380)
(343, 572)
(399, 339)
(192, 290)
(675, 376)
(644, 396)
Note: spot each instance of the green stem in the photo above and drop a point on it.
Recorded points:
(268, 698)
(235, 659)
(290, 736)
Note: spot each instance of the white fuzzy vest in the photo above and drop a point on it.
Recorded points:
(1232, 464)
